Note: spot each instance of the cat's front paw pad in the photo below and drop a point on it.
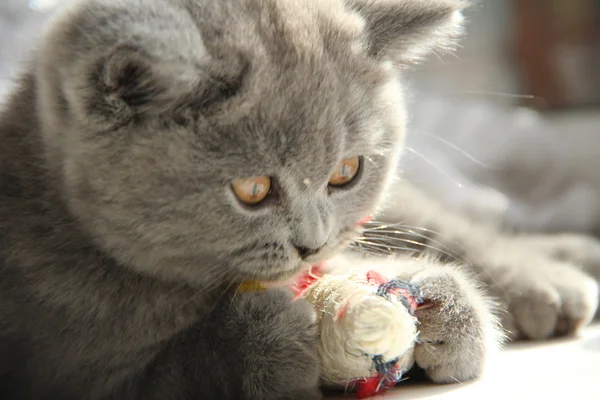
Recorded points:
(556, 301)
(377, 326)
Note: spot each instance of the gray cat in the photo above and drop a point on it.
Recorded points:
(158, 152)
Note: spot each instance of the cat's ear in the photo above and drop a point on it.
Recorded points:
(131, 79)
(407, 30)
(127, 74)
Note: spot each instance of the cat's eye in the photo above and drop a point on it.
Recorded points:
(253, 190)
(345, 172)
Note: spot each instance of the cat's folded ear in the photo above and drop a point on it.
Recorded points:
(128, 76)
(129, 79)
(407, 30)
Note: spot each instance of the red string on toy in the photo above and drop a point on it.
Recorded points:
(375, 278)
(307, 279)
(378, 384)
(370, 387)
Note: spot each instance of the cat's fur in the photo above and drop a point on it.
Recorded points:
(120, 238)
(547, 284)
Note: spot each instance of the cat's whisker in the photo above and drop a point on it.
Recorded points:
(380, 246)
(458, 256)
(373, 163)
(227, 290)
(366, 242)
(403, 232)
(235, 293)
(434, 232)
(435, 166)
(494, 94)
(437, 55)
(385, 241)
(377, 225)
(223, 293)
(378, 250)
(209, 285)
(454, 147)
(442, 248)
(371, 250)
(390, 249)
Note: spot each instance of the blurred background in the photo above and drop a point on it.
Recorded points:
(508, 127)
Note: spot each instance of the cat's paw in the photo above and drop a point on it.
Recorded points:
(544, 297)
(457, 328)
(279, 344)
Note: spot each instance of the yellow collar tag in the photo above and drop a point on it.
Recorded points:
(251, 286)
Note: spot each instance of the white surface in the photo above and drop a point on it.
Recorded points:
(567, 369)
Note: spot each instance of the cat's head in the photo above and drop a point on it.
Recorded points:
(230, 139)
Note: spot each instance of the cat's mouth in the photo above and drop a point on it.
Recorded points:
(288, 270)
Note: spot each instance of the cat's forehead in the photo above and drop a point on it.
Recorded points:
(309, 83)
(299, 20)
(284, 33)
(306, 126)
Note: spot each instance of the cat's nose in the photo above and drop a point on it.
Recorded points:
(305, 252)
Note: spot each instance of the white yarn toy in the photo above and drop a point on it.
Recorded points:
(367, 325)
(368, 330)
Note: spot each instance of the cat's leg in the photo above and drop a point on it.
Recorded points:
(457, 327)
(254, 346)
(581, 250)
(543, 297)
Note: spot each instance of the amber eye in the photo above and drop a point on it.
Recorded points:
(345, 172)
(252, 190)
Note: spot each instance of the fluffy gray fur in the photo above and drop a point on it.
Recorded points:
(120, 238)
(545, 285)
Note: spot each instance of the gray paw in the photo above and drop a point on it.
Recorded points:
(280, 347)
(457, 328)
(557, 300)
(544, 296)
